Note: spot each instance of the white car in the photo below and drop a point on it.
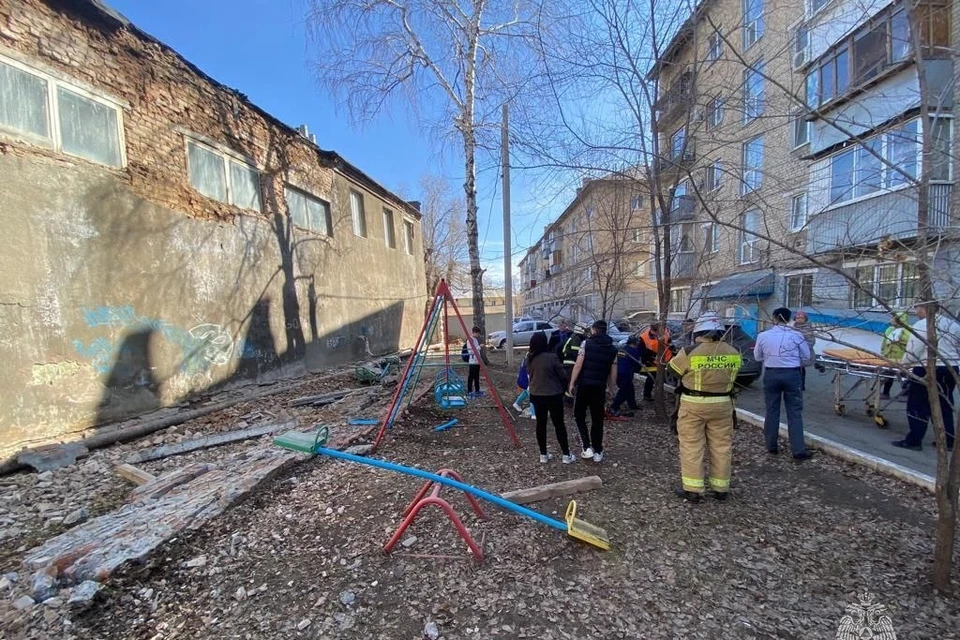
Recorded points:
(522, 332)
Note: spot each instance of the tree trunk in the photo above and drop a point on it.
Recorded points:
(476, 270)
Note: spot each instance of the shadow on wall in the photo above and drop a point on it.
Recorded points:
(372, 335)
(130, 384)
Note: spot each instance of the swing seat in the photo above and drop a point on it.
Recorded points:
(302, 441)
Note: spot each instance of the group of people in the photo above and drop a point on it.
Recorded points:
(586, 368)
(570, 365)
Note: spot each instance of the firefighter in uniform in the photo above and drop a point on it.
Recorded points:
(707, 371)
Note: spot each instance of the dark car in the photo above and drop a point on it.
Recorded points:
(734, 335)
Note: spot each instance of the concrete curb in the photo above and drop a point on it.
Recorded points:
(849, 454)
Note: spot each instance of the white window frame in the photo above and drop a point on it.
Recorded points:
(635, 202)
(713, 176)
(640, 270)
(711, 236)
(749, 241)
(715, 45)
(637, 235)
(678, 299)
(679, 192)
(754, 27)
(409, 228)
(811, 11)
(800, 55)
(901, 301)
(795, 142)
(389, 228)
(328, 213)
(54, 140)
(358, 217)
(754, 106)
(228, 155)
(804, 216)
(745, 184)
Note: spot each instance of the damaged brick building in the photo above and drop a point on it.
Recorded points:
(165, 236)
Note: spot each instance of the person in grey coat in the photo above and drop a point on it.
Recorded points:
(547, 383)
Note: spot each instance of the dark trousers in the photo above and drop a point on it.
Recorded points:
(803, 378)
(887, 385)
(473, 378)
(918, 404)
(590, 399)
(552, 405)
(649, 380)
(625, 393)
(783, 384)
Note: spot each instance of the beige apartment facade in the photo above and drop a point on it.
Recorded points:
(593, 261)
(765, 108)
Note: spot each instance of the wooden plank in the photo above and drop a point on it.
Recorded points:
(165, 451)
(324, 398)
(134, 475)
(555, 490)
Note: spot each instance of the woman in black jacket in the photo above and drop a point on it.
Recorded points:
(548, 381)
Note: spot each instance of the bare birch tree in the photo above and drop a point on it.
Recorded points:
(454, 62)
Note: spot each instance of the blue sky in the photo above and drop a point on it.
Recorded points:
(260, 48)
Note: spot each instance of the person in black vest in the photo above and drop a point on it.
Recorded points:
(596, 365)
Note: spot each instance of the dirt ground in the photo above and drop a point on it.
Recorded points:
(302, 558)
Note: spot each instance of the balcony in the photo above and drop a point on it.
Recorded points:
(673, 161)
(677, 99)
(683, 265)
(684, 209)
(866, 222)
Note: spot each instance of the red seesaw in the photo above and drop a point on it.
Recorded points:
(422, 500)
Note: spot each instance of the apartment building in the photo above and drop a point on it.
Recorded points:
(865, 96)
(593, 261)
(765, 112)
(165, 236)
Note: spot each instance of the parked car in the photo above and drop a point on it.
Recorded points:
(522, 332)
(734, 335)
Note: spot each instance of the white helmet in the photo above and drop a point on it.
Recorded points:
(708, 321)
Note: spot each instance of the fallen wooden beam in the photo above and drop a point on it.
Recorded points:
(324, 398)
(165, 451)
(555, 490)
(134, 475)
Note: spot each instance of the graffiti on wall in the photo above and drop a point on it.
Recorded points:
(202, 347)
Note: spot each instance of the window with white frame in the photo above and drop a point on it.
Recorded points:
(754, 92)
(714, 115)
(800, 130)
(714, 46)
(752, 22)
(711, 237)
(637, 235)
(679, 195)
(798, 211)
(640, 269)
(223, 176)
(888, 160)
(47, 110)
(685, 245)
(893, 284)
(636, 201)
(749, 241)
(752, 158)
(815, 5)
(358, 214)
(799, 290)
(307, 211)
(712, 176)
(389, 231)
(801, 44)
(678, 300)
(408, 237)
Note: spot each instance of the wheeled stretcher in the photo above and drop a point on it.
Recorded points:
(869, 372)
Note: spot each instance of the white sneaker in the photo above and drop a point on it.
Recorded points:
(598, 457)
(587, 453)
(545, 459)
(517, 408)
(569, 459)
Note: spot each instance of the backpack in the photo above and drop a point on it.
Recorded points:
(465, 353)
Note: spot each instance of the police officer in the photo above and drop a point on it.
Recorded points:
(707, 370)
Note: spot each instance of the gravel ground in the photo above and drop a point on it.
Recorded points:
(302, 557)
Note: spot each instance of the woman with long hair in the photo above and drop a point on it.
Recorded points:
(547, 382)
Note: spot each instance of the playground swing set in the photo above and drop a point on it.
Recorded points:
(449, 394)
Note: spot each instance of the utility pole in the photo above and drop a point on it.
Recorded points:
(507, 251)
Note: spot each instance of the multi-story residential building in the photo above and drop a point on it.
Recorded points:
(165, 236)
(795, 124)
(865, 95)
(593, 261)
